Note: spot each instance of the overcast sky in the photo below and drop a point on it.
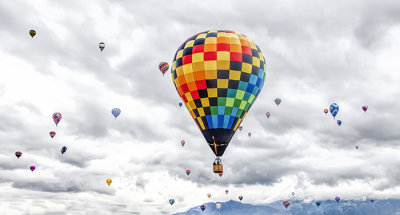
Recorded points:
(316, 53)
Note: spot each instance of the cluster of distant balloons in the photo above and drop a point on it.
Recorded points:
(218, 139)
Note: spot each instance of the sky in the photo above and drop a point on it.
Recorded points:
(316, 53)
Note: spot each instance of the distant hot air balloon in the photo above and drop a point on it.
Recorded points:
(278, 101)
(183, 143)
(240, 198)
(334, 109)
(337, 198)
(109, 181)
(227, 73)
(318, 203)
(268, 114)
(293, 193)
(356, 147)
(101, 46)
(365, 108)
(218, 206)
(32, 33)
(63, 149)
(339, 122)
(180, 104)
(209, 195)
(52, 134)
(116, 112)
(220, 174)
(171, 201)
(202, 207)
(188, 172)
(372, 200)
(286, 204)
(163, 66)
(326, 110)
(57, 118)
(249, 134)
(32, 168)
(226, 192)
(18, 154)
(240, 128)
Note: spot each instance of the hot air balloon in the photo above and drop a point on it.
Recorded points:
(109, 181)
(372, 200)
(240, 198)
(226, 192)
(188, 172)
(318, 203)
(337, 198)
(209, 195)
(180, 104)
(286, 204)
(218, 74)
(220, 174)
(268, 114)
(63, 149)
(278, 101)
(334, 108)
(183, 143)
(339, 122)
(171, 201)
(202, 207)
(18, 154)
(52, 134)
(365, 108)
(240, 128)
(32, 168)
(163, 66)
(356, 147)
(218, 206)
(32, 33)
(293, 193)
(101, 46)
(116, 112)
(57, 118)
(326, 110)
(249, 134)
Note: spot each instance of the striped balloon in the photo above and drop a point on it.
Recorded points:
(286, 204)
(163, 66)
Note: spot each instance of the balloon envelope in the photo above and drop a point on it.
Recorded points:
(218, 74)
(116, 112)
(52, 134)
(188, 172)
(339, 122)
(202, 207)
(63, 149)
(278, 101)
(365, 108)
(372, 200)
(286, 204)
(163, 67)
(183, 143)
(32, 168)
(109, 181)
(337, 198)
(334, 108)
(101, 46)
(18, 154)
(326, 110)
(268, 114)
(57, 118)
(240, 128)
(32, 33)
(218, 206)
(180, 104)
(226, 191)
(318, 203)
(209, 195)
(240, 198)
(172, 201)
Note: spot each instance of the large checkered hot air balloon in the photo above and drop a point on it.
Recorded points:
(218, 74)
